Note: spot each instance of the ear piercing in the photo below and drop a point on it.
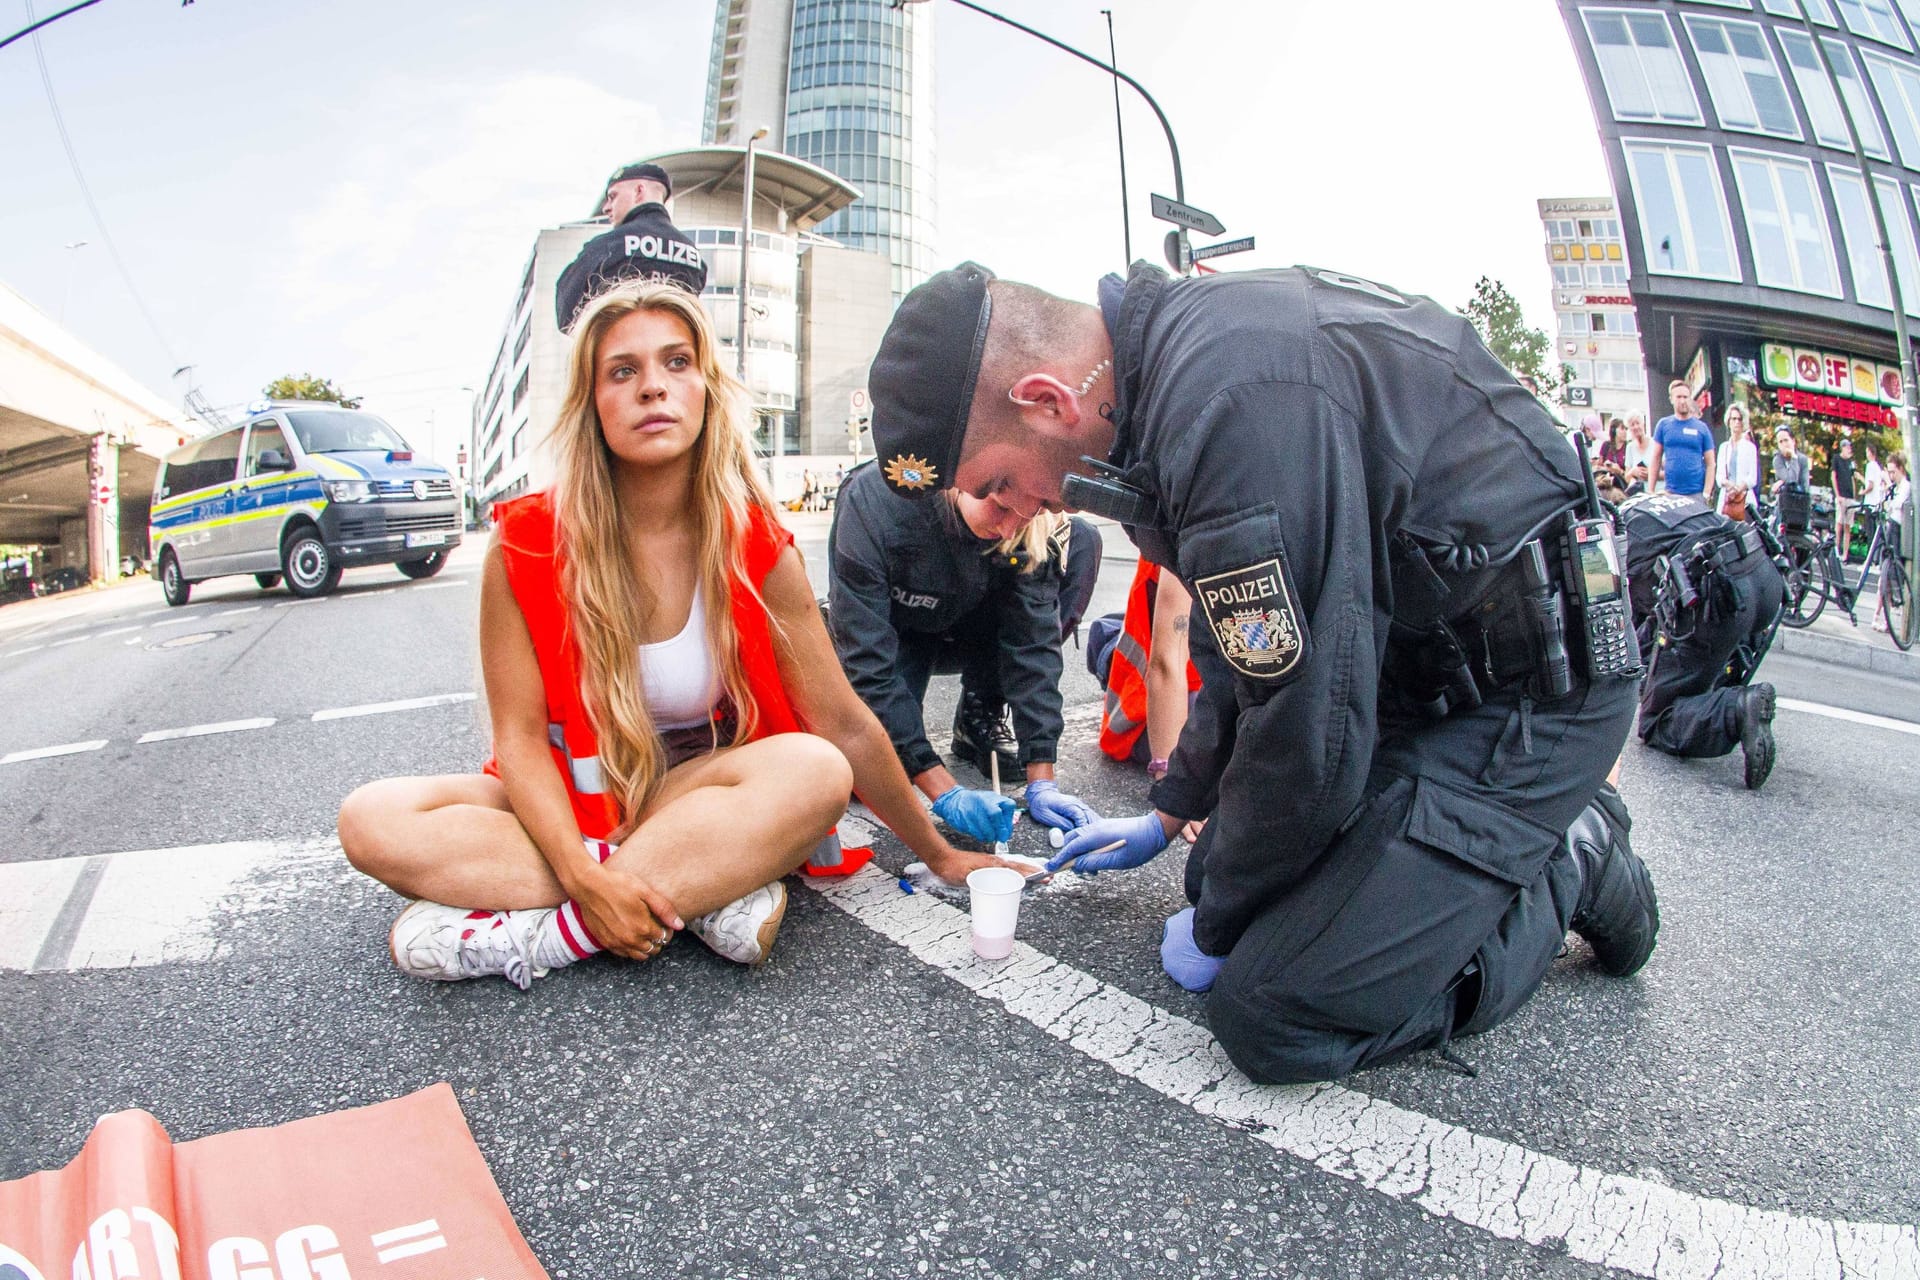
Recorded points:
(1085, 386)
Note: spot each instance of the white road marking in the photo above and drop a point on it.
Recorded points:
(32, 648)
(69, 640)
(252, 608)
(135, 640)
(41, 753)
(149, 906)
(120, 631)
(176, 622)
(156, 906)
(288, 604)
(1851, 717)
(431, 586)
(1500, 1187)
(202, 730)
(405, 704)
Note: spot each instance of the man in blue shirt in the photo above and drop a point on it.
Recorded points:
(1683, 449)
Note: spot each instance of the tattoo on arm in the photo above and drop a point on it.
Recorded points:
(1180, 625)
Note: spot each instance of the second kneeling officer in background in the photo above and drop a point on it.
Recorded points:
(1392, 552)
(1706, 598)
(921, 588)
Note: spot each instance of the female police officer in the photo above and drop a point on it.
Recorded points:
(920, 587)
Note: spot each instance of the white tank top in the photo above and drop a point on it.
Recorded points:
(679, 676)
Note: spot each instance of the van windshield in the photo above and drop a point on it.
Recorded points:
(343, 431)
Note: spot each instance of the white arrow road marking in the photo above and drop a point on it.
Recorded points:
(41, 753)
(202, 730)
(405, 704)
(1500, 1187)
(1851, 717)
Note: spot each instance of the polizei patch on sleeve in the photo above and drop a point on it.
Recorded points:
(1254, 619)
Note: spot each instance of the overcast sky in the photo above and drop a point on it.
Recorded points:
(352, 188)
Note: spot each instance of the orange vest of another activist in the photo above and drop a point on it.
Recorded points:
(1124, 718)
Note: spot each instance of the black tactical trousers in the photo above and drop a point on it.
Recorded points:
(1437, 910)
(1687, 707)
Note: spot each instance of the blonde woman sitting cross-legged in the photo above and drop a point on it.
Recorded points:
(672, 732)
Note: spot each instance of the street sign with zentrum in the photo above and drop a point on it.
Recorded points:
(1223, 248)
(1185, 215)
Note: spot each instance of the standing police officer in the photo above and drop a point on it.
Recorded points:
(1375, 521)
(916, 588)
(1706, 598)
(643, 245)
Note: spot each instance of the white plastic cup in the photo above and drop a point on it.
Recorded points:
(994, 902)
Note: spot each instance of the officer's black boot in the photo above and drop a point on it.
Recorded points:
(1756, 732)
(1618, 914)
(978, 729)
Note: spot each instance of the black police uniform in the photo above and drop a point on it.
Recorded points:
(644, 246)
(1706, 628)
(912, 592)
(1334, 469)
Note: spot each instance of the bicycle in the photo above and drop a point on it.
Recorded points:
(1815, 574)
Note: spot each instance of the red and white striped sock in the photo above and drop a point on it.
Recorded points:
(563, 938)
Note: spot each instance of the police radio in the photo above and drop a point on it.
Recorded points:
(1596, 586)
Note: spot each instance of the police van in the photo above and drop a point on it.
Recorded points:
(300, 491)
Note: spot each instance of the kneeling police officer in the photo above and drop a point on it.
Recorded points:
(1393, 557)
(920, 588)
(1706, 599)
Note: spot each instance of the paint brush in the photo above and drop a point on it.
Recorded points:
(993, 764)
(1036, 877)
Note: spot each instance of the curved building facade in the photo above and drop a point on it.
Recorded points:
(1751, 251)
(846, 85)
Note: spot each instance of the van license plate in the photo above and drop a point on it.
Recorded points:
(425, 539)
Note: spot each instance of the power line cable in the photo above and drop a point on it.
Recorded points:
(32, 27)
(86, 193)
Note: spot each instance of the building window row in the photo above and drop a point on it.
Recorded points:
(1646, 78)
(1686, 227)
(1607, 323)
(1573, 275)
(1582, 228)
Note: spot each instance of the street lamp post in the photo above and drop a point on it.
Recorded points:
(740, 291)
(1179, 181)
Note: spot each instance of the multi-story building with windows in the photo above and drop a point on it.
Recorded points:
(1596, 333)
(846, 85)
(1751, 253)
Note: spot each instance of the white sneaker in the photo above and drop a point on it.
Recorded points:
(447, 944)
(743, 930)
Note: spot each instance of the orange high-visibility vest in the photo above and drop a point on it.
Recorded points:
(1124, 718)
(533, 563)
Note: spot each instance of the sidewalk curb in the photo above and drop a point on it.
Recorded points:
(1859, 654)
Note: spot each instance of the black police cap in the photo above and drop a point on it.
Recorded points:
(923, 378)
(627, 173)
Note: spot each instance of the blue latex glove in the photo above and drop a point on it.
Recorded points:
(1139, 839)
(1185, 962)
(1054, 807)
(985, 816)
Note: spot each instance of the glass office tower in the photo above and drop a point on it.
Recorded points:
(846, 85)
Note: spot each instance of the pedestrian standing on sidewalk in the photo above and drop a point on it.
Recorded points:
(1739, 464)
(1840, 461)
(672, 731)
(1682, 459)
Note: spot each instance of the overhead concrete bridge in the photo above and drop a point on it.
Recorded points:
(80, 443)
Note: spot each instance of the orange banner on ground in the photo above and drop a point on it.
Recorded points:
(396, 1191)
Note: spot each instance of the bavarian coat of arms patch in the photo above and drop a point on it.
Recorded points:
(1255, 619)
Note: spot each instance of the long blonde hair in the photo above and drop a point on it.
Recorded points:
(607, 602)
(1038, 540)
